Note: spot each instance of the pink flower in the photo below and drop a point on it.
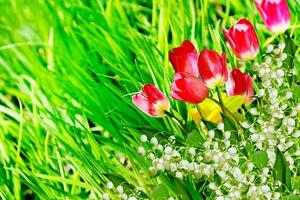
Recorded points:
(185, 58)
(242, 39)
(212, 68)
(151, 101)
(275, 14)
(240, 84)
(188, 88)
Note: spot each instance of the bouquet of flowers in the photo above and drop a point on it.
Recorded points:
(161, 99)
(240, 138)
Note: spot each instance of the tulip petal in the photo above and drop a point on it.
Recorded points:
(243, 39)
(240, 84)
(152, 92)
(188, 88)
(142, 103)
(185, 58)
(228, 38)
(275, 14)
(151, 101)
(212, 67)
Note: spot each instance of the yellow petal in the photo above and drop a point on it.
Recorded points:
(195, 115)
(212, 111)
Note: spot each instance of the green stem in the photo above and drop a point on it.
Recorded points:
(199, 111)
(225, 109)
(180, 124)
(220, 100)
(231, 116)
(202, 118)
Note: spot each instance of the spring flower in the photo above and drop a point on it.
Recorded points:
(275, 14)
(185, 58)
(151, 101)
(242, 39)
(240, 84)
(211, 111)
(188, 88)
(212, 68)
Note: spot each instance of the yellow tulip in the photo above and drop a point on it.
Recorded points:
(211, 111)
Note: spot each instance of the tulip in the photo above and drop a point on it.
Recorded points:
(211, 111)
(212, 68)
(240, 84)
(188, 88)
(152, 101)
(242, 39)
(275, 14)
(185, 58)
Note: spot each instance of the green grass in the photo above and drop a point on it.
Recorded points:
(67, 73)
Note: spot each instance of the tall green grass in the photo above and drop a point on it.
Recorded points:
(67, 73)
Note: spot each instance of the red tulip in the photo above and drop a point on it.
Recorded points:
(212, 68)
(275, 14)
(188, 88)
(185, 58)
(151, 101)
(240, 84)
(242, 39)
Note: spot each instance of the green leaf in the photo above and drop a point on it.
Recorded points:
(160, 192)
(228, 124)
(296, 183)
(240, 117)
(290, 50)
(184, 191)
(194, 139)
(259, 159)
(233, 103)
(180, 189)
(296, 91)
(291, 197)
(281, 171)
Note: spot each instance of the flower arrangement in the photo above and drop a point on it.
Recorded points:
(163, 100)
(247, 150)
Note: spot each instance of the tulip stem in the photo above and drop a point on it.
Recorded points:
(199, 111)
(226, 110)
(220, 100)
(180, 124)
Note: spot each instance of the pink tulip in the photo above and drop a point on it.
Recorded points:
(188, 88)
(212, 68)
(185, 58)
(240, 84)
(275, 14)
(242, 39)
(151, 101)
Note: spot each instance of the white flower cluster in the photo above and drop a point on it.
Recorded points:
(118, 193)
(216, 158)
(277, 125)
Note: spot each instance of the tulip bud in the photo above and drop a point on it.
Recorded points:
(240, 84)
(242, 39)
(188, 88)
(185, 58)
(275, 14)
(151, 101)
(212, 68)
